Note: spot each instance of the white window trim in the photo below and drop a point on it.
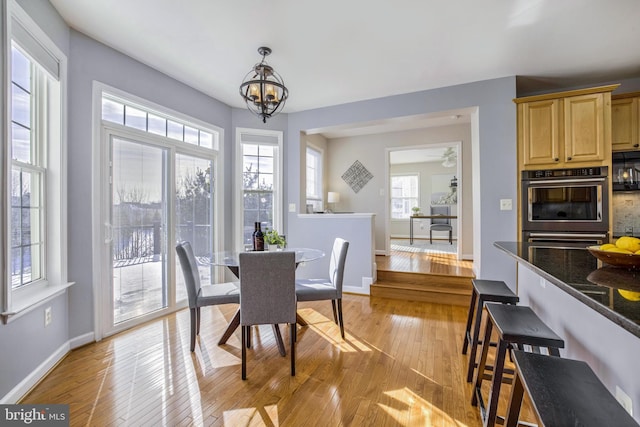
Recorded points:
(278, 192)
(16, 303)
(391, 176)
(99, 229)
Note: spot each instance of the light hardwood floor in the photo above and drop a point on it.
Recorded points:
(400, 365)
(421, 262)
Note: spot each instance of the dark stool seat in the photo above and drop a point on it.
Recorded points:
(483, 291)
(563, 392)
(516, 326)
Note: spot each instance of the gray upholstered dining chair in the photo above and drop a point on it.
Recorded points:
(202, 295)
(441, 224)
(329, 288)
(267, 296)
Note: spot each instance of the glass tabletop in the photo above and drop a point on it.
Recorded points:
(231, 258)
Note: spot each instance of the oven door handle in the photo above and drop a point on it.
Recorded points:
(569, 235)
(563, 181)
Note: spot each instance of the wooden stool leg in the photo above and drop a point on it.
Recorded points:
(475, 340)
(467, 331)
(515, 402)
(482, 364)
(496, 383)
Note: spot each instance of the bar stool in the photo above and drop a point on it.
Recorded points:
(483, 291)
(563, 392)
(516, 326)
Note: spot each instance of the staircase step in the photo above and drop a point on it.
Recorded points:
(439, 288)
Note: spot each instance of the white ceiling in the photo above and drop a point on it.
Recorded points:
(337, 51)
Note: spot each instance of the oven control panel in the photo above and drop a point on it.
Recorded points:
(565, 173)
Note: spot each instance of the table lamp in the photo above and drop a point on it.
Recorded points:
(333, 198)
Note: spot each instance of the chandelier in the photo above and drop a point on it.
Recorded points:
(263, 89)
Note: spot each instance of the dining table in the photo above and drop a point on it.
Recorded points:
(231, 260)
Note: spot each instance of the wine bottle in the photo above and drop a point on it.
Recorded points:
(259, 239)
(253, 235)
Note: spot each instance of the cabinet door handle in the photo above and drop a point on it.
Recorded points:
(556, 159)
(568, 158)
(636, 145)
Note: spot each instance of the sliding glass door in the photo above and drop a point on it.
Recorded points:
(138, 229)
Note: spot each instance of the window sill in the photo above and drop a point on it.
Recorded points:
(28, 302)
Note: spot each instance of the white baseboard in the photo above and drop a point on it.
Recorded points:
(87, 338)
(34, 377)
(381, 252)
(365, 289)
(467, 257)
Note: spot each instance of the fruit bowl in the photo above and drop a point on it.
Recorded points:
(616, 259)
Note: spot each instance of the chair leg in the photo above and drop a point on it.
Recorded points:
(467, 334)
(339, 301)
(193, 313)
(198, 321)
(335, 315)
(292, 341)
(451, 237)
(244, 352)
(430, 237)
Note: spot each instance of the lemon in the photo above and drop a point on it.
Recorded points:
(618, 250)
(607, 246)
(630, 295)
(629, 243)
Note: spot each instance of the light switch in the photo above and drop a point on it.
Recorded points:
(506, 204)
(292, 207)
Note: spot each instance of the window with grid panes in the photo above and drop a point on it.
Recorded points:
(404, 195)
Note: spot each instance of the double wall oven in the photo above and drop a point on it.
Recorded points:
(565, 205)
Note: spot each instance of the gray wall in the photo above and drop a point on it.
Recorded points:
(493, 144)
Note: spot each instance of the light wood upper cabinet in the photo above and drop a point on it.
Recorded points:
(625, 122)
(539, 131)
(585, 136)
(565, 130)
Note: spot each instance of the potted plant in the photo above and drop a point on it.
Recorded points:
(274, 240)
(416, 210)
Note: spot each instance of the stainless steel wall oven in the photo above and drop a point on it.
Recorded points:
(566, 205)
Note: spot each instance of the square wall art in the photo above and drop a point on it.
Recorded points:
(357, 176)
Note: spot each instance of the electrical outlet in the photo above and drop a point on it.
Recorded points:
(47, 316)
(292, 207)
(624, 400)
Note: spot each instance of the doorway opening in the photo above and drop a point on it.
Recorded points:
(424, 181)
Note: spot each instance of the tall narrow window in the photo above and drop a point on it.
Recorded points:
(404, 195)
(261, 181)
(33, 193)
(314, 179)
(28, 91)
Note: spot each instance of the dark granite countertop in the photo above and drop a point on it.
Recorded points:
(577, 272)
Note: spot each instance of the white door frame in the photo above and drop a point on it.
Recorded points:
(459, 210)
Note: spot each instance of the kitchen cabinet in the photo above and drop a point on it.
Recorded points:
(566, 129)
(625, 122)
